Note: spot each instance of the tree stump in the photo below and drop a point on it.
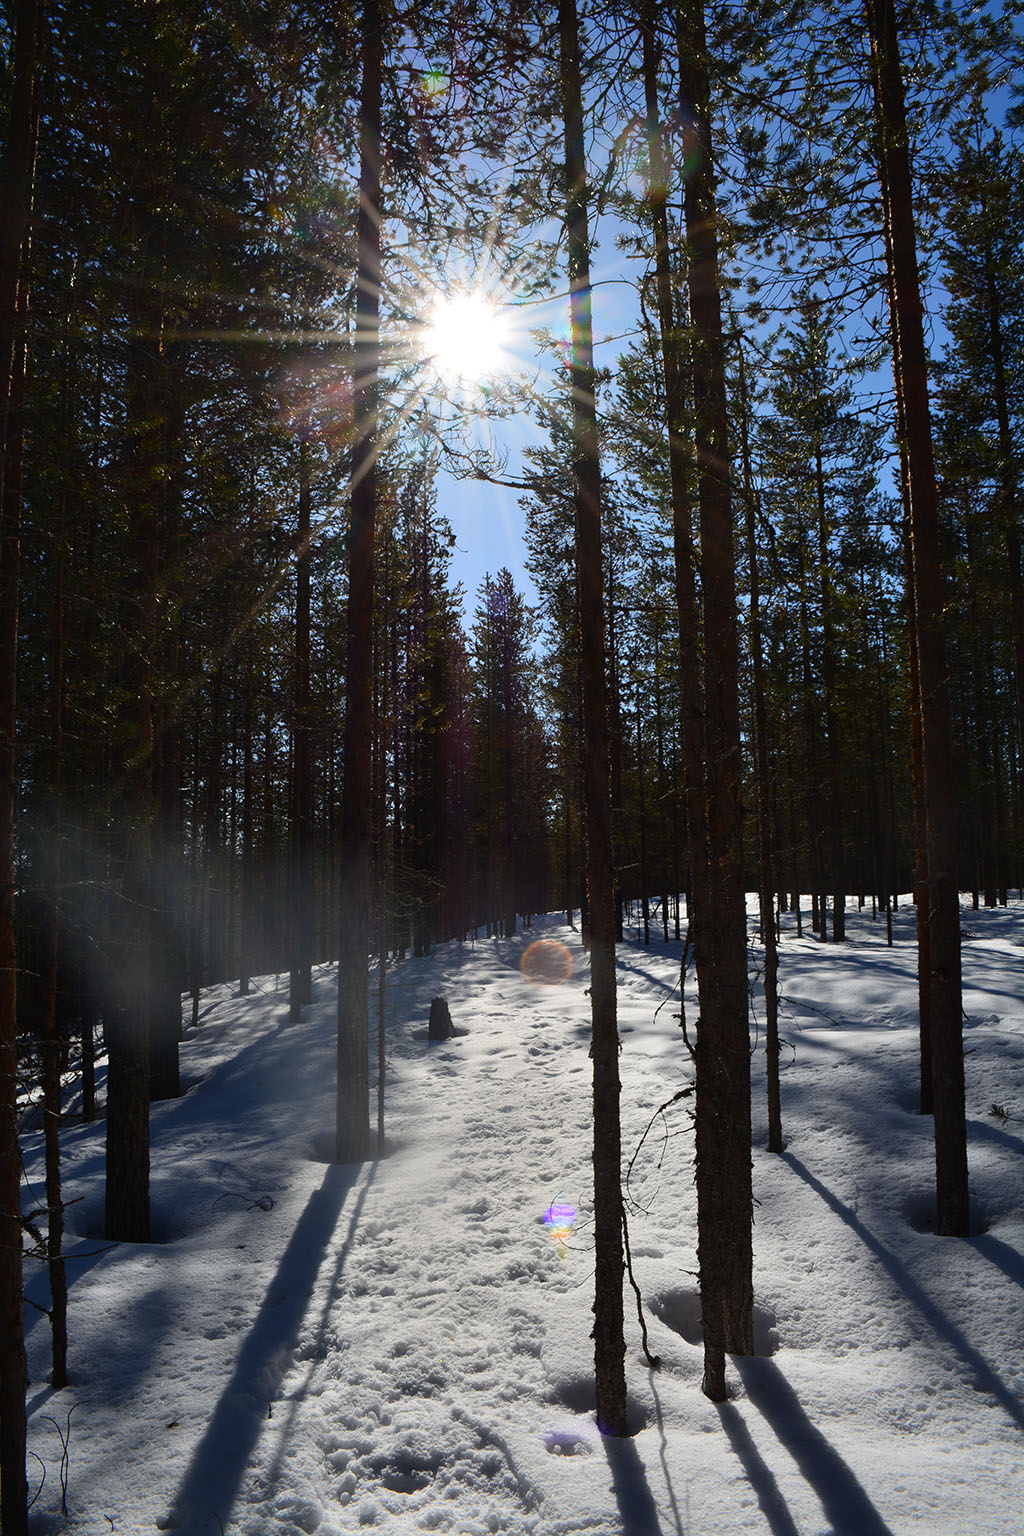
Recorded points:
(441, 1026)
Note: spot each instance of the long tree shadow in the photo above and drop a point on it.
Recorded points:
(984, 1130)
(663, 1456)
(632, 965)
(844, 1501)
(208, 1491)
(1001, 1255)
(986, 1379)
(762, 1479)
(638, 1512)
(329, 1290)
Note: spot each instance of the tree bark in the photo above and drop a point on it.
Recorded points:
(766, 877)
(837, 856)
(52, 1044)
(911, 381)
(679, 458)
(722, 1052)
(645, 901)
(130, 952)
(246, 924)
(353, 1089)
(165, 936)
(300, 988)
(609, 1344)
(16, 186)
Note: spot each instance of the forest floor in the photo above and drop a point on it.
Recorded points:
(404, 1347)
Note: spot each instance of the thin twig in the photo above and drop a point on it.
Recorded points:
(654, 1361)
(39, 1490)
(65, 1442)
(684, 1093)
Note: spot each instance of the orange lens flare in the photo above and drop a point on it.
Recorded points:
(547, 961)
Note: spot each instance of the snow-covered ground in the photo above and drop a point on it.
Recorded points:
(404, 1346)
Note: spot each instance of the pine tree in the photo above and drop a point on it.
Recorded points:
(353, 1131)
(762, 774)
(911, 378)
(510, 754)
(722, 1050)
(300, 988)
(609, 1346)
(16, 184)
(818, 462)
(980, 426)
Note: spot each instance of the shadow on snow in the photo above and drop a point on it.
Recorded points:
(210, 1485)
(986, 1379)
(847, 1506)
(637, 1509)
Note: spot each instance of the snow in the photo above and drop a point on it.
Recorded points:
(403, 1346)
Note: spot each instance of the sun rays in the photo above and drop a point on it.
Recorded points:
(466, 339)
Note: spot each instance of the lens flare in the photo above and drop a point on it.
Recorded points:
(546, 961)
(560, 1218)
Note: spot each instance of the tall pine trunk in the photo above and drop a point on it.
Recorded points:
(129, 939)
(166, 941)
(837, 856)
(165, 938)
(679, 458)
(766, 878)
(609, 1345)
(52, 1043)
(353, 1108)
(722, 1052)
(922, 890)
(16, 187)
(300, 987)
(911, 380)
(246, 924)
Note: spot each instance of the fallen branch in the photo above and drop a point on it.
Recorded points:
(654, 1361)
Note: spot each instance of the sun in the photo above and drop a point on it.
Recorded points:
(465, 339)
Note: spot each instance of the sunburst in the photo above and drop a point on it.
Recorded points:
(466, 339)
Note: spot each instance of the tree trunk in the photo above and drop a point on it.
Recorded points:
(659, 726)
(609, 1345)
(129, 993)
(384, 713)
(766, 878)
(645, 902)
(166, 942)
(17, 183)
(165, 937)
(353, 1089)
(911, 379)
(724, 1191)
(300, 989)
(837, 857)
(53, 1045)
(812, 778)
(248, 894)
(87, 1029)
